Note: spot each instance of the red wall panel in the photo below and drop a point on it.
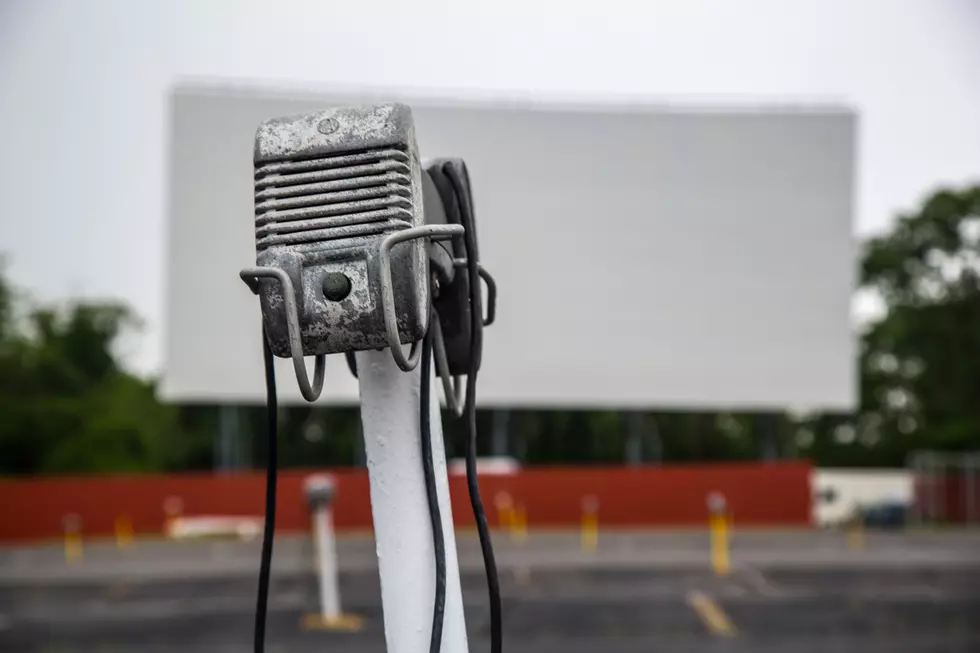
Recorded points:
(952, 497)
(772, 494)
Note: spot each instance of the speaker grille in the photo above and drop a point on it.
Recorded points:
(319, 199)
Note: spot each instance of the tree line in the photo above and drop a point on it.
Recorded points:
(69, 406)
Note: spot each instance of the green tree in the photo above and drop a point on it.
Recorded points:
(67, 404)
(921, 361)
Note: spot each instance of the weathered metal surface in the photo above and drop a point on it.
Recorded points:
(358, 128)
(329, 187)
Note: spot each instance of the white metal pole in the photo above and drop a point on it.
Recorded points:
(402, 528)
(326, 563)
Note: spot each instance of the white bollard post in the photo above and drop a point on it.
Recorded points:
(329, 594)
(320, 493)
(402, 528)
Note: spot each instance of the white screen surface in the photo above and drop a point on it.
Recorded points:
(644, 257)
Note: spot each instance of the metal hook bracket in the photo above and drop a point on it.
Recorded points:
(387, 291)
(491, 289)
(452, 385)
(251, 278)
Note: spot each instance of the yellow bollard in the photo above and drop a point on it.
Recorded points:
(855, 534)
(518, 534)
(505, 510)
(124, 532)
(718, 528)
(518, 531)
(73, 539)
(720, 561)
(590, 524)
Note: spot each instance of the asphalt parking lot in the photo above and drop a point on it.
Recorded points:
(657, 598)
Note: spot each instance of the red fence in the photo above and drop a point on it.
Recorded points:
(952, 497)
(771, 494)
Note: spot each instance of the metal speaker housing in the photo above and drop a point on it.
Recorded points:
(329, 187)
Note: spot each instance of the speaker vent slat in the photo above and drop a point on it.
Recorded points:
(318, 224)
(333, 233)
(351, 183)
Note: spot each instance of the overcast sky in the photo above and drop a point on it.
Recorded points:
(83, 88)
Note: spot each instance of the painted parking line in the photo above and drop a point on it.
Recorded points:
(758, 581)
(711, 614)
